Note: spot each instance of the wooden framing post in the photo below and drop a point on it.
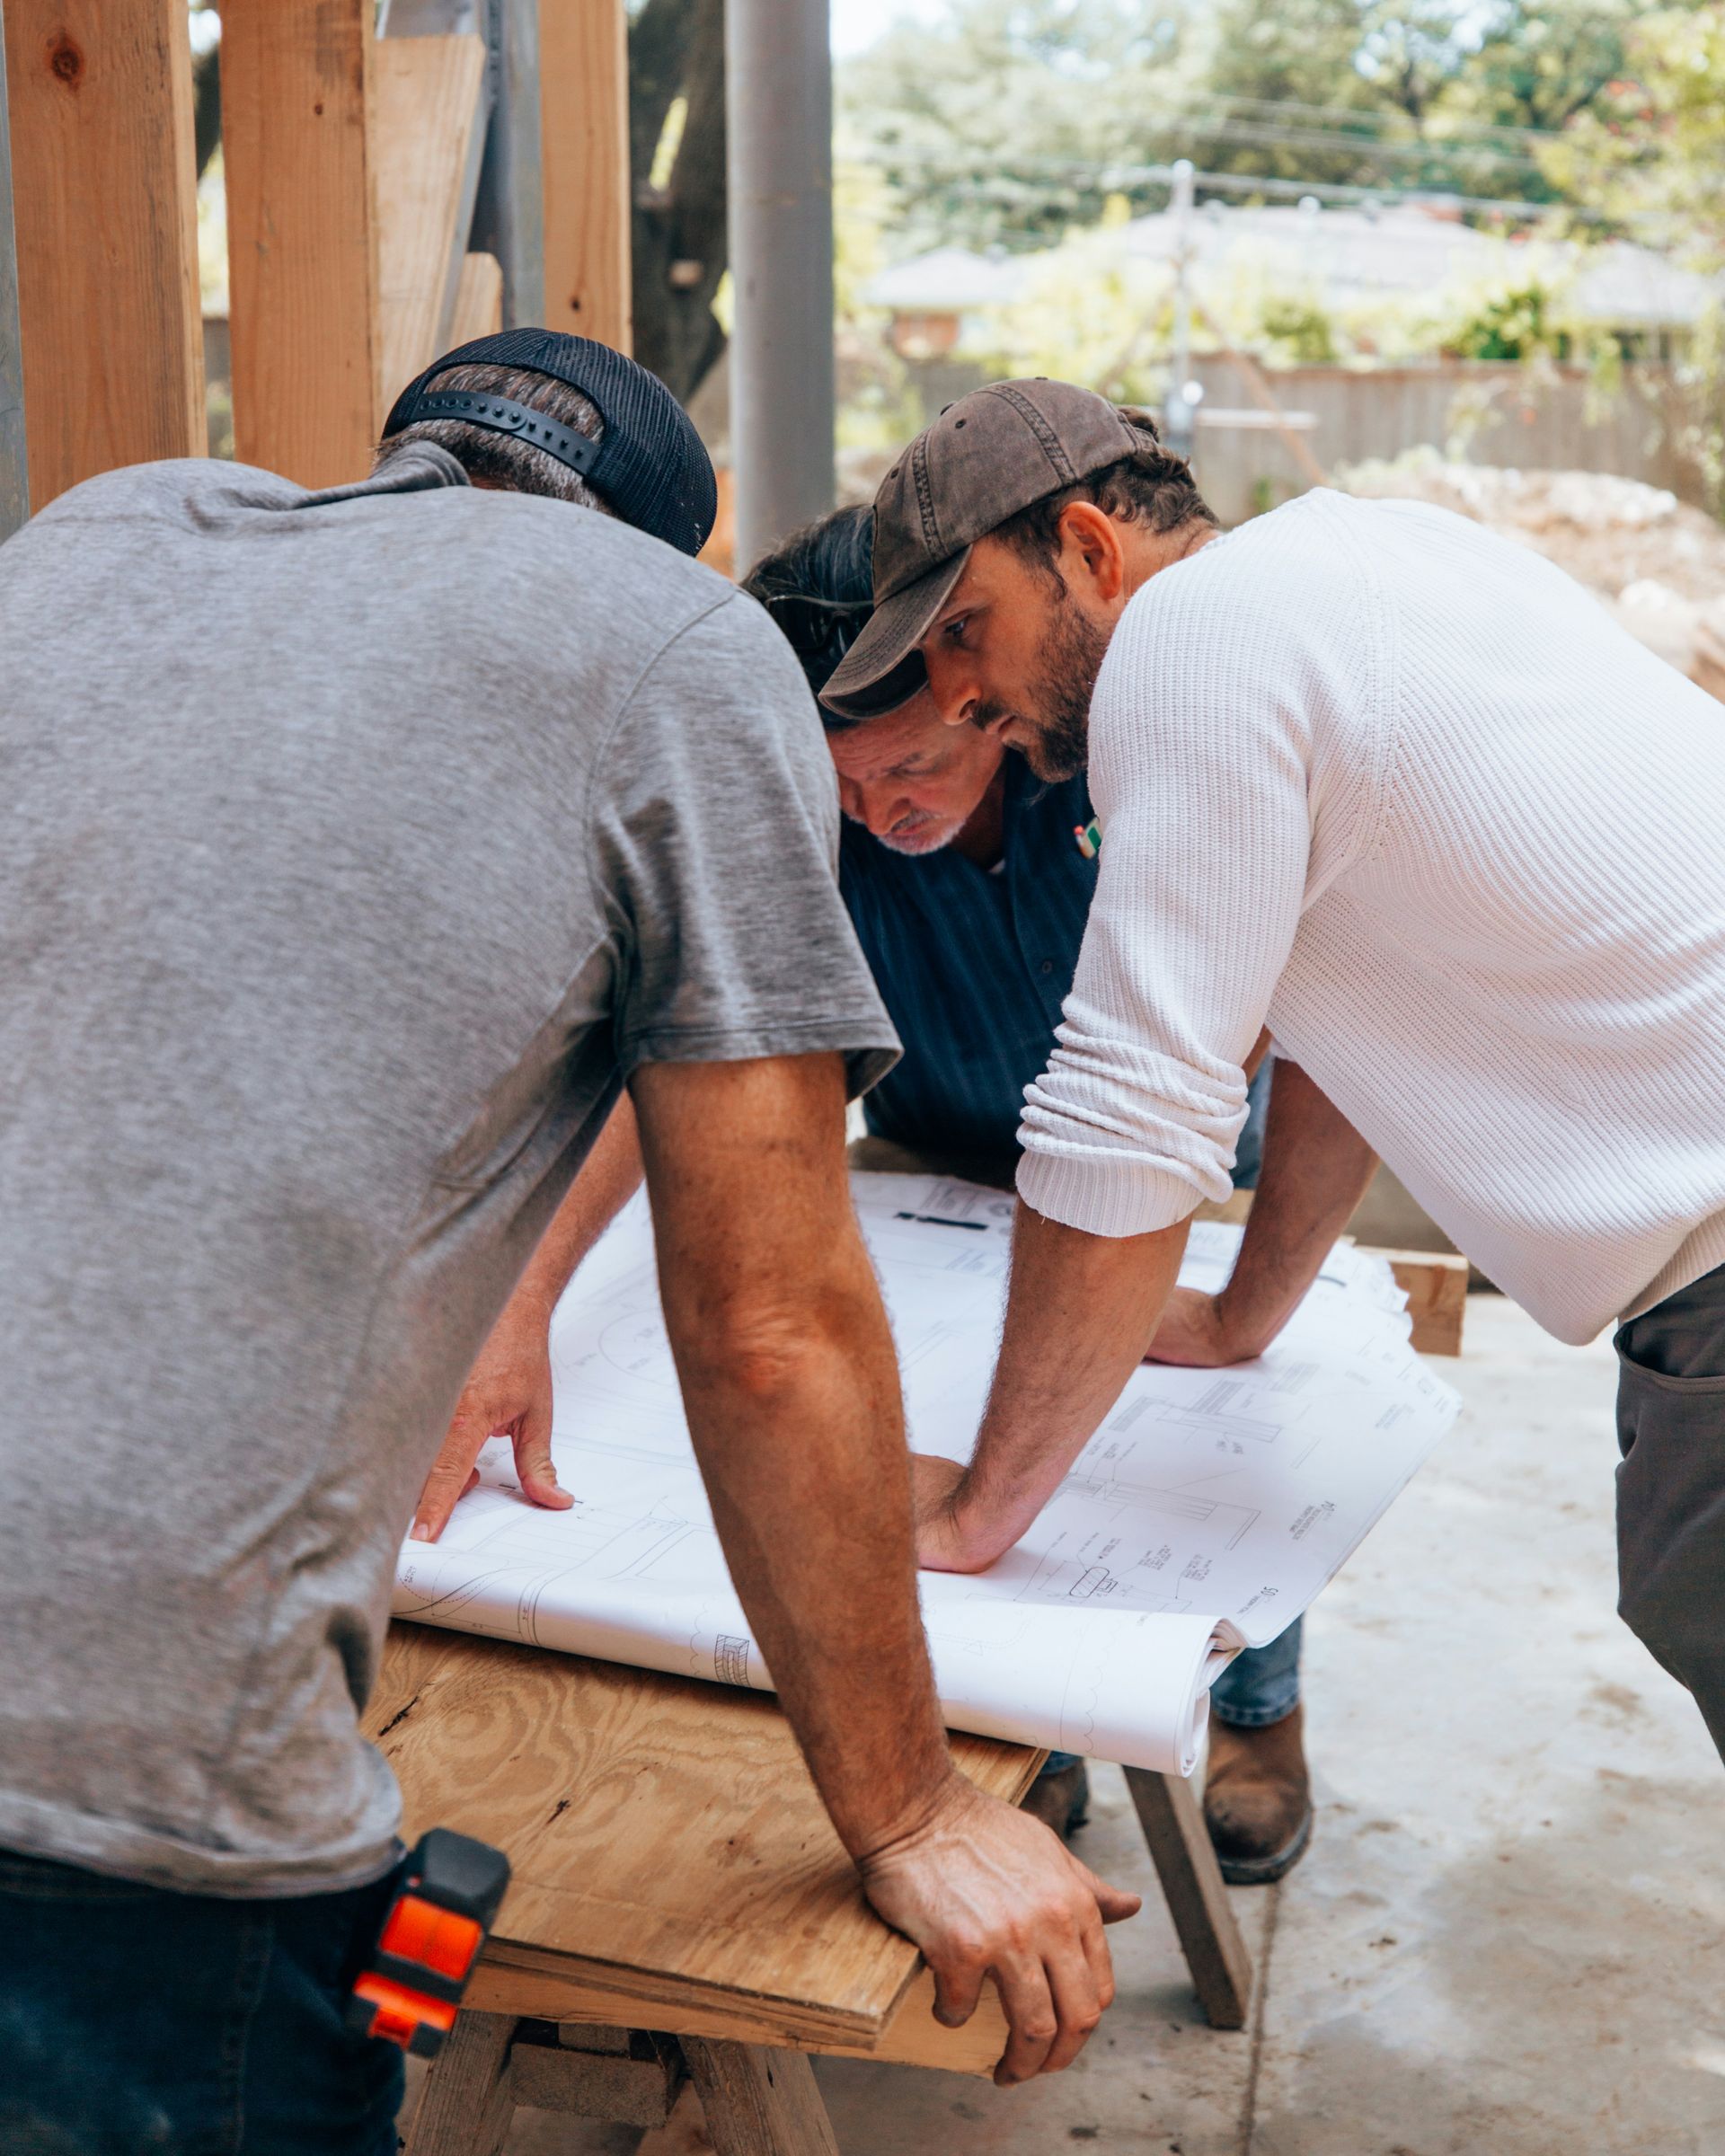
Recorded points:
(15, 456)
(584, 151)
(302, 234)
(104, 179)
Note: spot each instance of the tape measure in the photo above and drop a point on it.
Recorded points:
(408, 1993)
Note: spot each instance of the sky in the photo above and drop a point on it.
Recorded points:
(857, 23)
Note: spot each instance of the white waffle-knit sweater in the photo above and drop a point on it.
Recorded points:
(1402, 790)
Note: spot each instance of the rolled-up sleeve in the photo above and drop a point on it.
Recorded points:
(1200, 771)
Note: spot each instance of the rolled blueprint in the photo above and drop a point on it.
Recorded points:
(1203, 1516)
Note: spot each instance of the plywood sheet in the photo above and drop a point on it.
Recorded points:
(668, 1842)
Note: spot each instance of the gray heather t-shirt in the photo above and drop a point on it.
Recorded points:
(353, 848)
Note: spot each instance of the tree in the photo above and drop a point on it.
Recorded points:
(1013, 121)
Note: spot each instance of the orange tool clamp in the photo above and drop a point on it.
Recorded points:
(451, 1889)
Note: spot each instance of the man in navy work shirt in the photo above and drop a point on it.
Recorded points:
(968, 882)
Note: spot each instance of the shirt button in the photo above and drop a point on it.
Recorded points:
(1046, 966)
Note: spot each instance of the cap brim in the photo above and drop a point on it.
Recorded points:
(883, 668)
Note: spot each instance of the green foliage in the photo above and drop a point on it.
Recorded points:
(1517, 325)
(1011, 121)
(1301, 332)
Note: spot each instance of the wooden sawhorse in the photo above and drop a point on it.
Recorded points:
(681, 1908)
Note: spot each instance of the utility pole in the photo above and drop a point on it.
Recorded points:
(14, 471)
(779, 157)
(1180, 413)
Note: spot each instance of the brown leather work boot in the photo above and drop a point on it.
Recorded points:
(1059, 1800)
(1258, 1799)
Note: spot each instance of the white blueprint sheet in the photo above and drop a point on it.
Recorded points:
(1203, 1516)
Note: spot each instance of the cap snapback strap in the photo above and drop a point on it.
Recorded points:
(502, 415)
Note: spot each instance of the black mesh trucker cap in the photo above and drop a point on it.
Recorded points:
(649, 466)
(986, 457)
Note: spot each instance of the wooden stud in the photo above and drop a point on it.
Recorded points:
(508, 219)
(467, 2103)
(584, 120)
(1435, 1283)
(1198, 1899)
(430, 132)
(105, 188)
(15, 456)
(759, 2102)
(479, 299)
(302, 238)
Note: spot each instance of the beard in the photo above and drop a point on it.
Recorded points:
(927, 835)
(1055, 715)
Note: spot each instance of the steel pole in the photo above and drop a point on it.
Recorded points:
(778, 164)
(1178, 417)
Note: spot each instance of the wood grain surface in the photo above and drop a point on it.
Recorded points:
(302, 237)
(667, 1843)
(584, 155)
(431, 131)
(104, 201)
(479, 300)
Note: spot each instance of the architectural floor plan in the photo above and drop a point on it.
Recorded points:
(1203, 1516)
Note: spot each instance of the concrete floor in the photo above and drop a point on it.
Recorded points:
(1509, 1938)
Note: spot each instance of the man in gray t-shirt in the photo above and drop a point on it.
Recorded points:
(360, 847)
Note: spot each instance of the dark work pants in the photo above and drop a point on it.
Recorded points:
(138, 2023)
(1671, 1488)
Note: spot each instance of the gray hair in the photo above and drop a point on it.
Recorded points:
(503, 459)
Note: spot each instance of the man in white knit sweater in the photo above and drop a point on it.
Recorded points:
(1400, 793)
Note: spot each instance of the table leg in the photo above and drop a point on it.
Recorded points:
(466, 2104)
(758, 2101)
(1198, 1899)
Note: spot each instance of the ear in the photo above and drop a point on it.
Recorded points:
(1089, 547)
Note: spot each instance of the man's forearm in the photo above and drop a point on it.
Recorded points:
(1080, 1312)
(791, 1385)
(801, 1445)
(1316, 1167)
(608, 1179)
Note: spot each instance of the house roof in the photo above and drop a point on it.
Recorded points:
(1352, 257)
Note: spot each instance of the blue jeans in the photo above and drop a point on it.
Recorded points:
(135, 2022)
(1256, 1688)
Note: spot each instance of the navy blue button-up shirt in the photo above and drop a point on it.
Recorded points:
(974, 968)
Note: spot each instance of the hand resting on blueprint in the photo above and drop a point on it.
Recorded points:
(941, 1543)
(1198, 1331)
(507, 1394)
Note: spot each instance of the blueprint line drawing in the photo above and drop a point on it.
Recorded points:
(1203, 1516)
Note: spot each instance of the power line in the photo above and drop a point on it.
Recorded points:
(1363, 116)
(1116, 178)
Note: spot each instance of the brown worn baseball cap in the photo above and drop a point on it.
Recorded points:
(986, 457)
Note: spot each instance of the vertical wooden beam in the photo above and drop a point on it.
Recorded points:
(1210, 1937)
(429, 115)
(15, 456)
(479, 300)
(105, 188)
(508, 219)
(758, 2102)
(302, 235)
(584, 118)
